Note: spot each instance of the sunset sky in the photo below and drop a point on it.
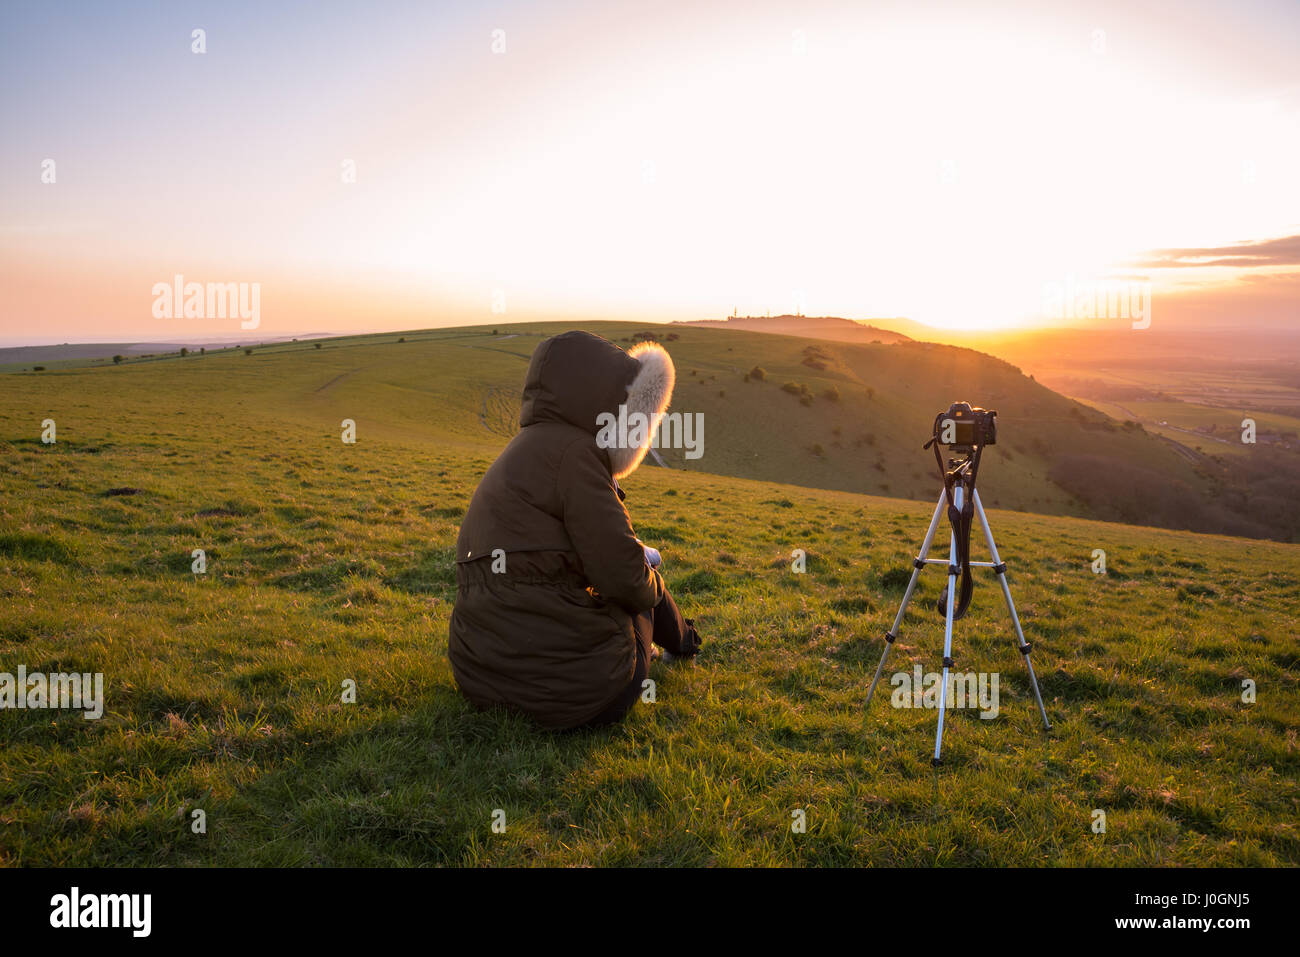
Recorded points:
(942, 162)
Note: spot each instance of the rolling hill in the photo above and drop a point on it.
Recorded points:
(818, 413)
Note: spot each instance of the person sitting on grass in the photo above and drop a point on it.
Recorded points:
(558, 603)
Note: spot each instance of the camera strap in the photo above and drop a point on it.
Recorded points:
(961, 520)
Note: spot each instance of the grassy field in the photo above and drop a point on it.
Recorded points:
(329, 562)
(1185, 422)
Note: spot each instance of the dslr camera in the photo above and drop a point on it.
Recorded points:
(962, 428)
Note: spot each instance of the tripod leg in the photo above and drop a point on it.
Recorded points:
(917, 565)
(958, 492)
(1001, 569)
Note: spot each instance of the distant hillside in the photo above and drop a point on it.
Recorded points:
(80, 350)
(77, 354)
(810, 412)
(810, 327)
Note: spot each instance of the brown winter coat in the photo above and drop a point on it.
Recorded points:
(549, 632)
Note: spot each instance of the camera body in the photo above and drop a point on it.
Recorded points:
(962, 427)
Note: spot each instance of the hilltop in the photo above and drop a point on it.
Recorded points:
(808, 327)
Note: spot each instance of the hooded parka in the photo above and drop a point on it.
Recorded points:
(549, 572)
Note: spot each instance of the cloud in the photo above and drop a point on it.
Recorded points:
(1252, 254)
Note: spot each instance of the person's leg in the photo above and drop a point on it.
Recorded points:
(673, 633)
(664, 626)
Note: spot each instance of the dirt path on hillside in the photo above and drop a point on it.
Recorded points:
(499, 410)
(337, 379)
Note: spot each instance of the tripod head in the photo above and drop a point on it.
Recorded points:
(961, 469)
(958, 468)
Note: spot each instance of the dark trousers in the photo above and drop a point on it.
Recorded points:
(664, 626)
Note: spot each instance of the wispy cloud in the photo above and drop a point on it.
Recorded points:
(1245, 255)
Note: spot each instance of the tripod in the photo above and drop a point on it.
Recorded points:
(960, 493)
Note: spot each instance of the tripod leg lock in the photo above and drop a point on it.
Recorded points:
(953, 571)
(1026, 648)
(918, 562)
(890, 637)
(1000, 568)
(948, 663)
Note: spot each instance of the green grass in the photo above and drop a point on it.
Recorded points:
(329, 562)
(1182, 422)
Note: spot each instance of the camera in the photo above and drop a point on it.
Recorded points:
(962, 427)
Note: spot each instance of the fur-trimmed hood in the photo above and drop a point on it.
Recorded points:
(578, 378)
